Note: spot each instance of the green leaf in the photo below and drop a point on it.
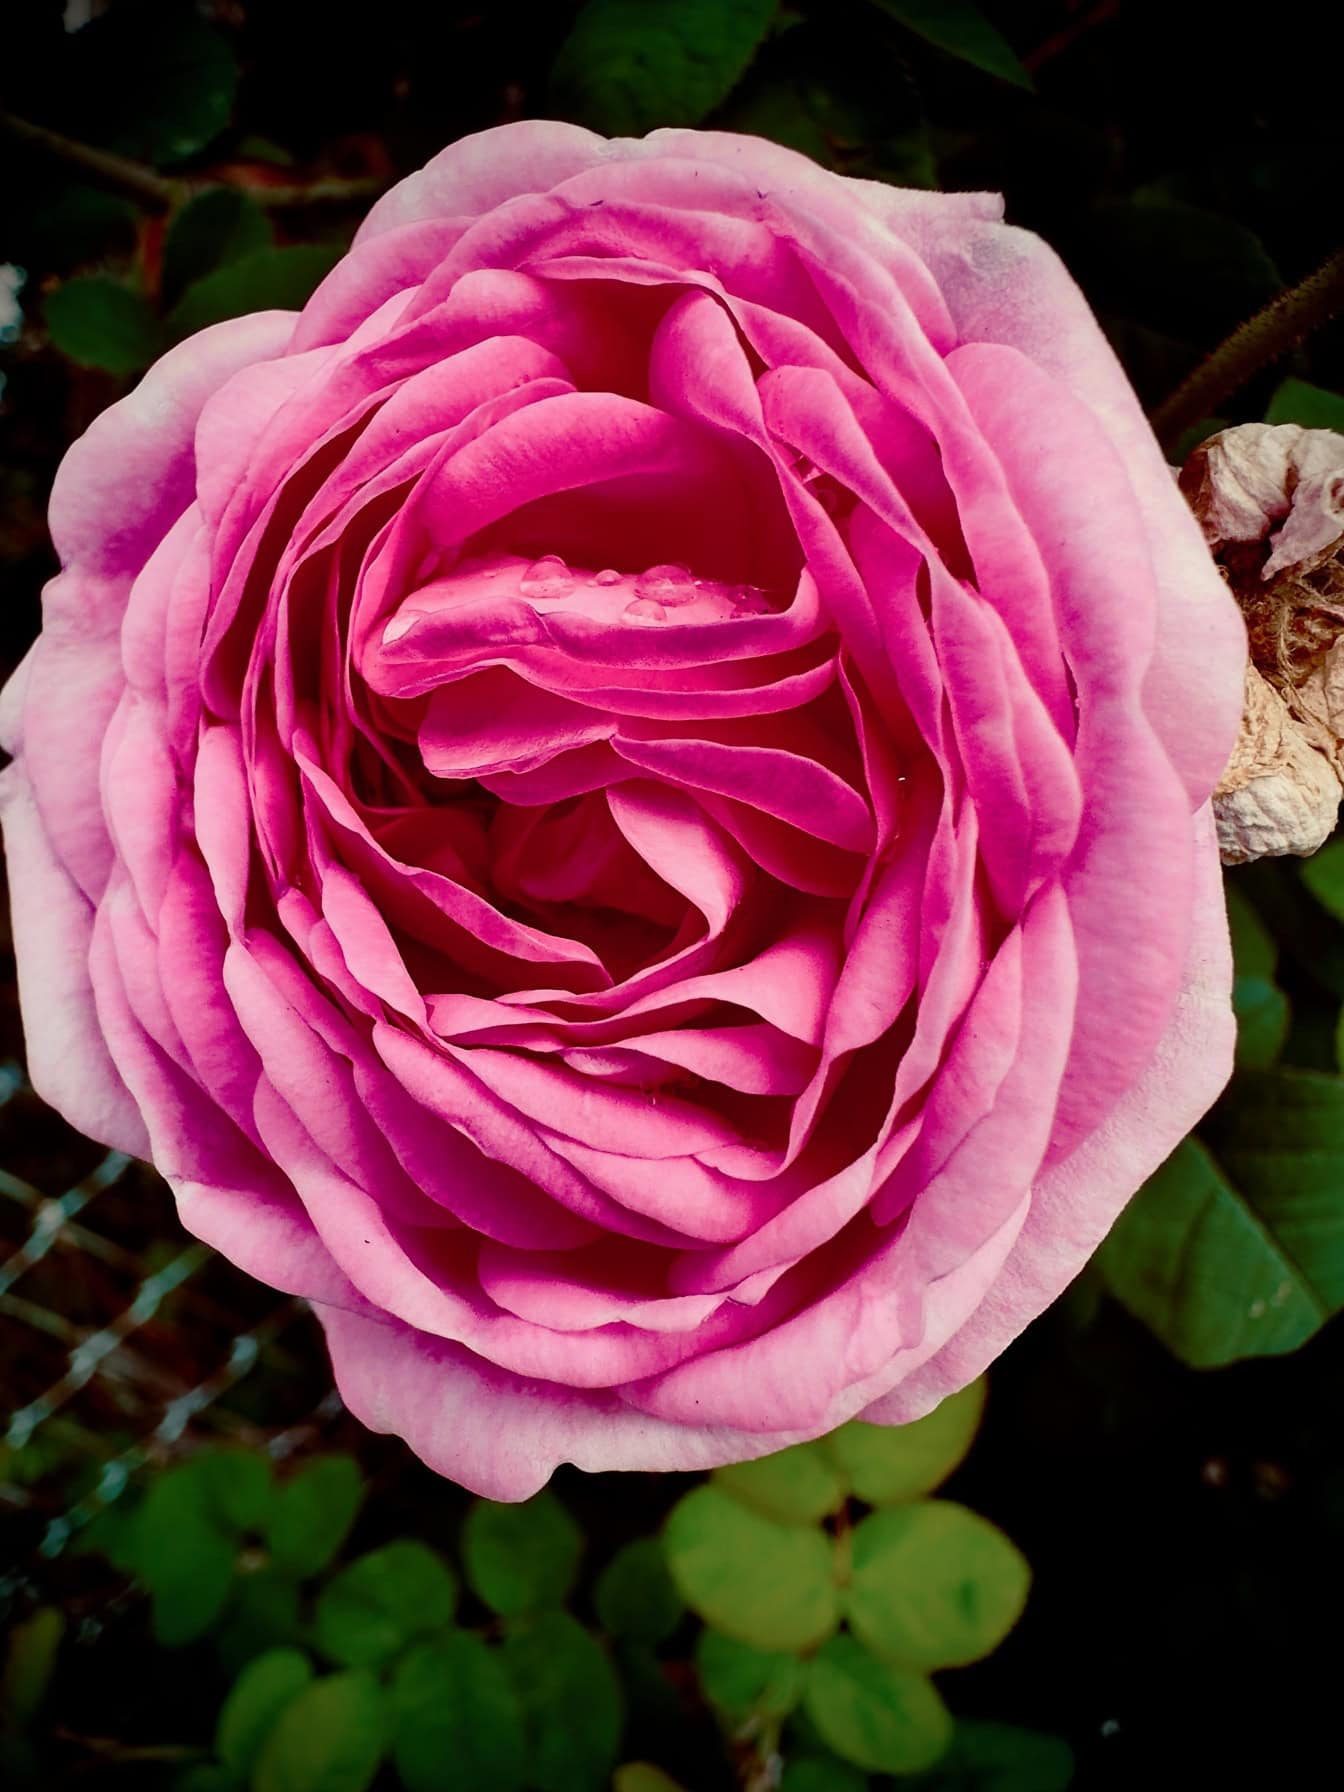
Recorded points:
(217, 227)
(1323, 874)
(521, 1558)
(643, 1776)
(800, 1484)
(963, 31)
(1262, 1015)
(634, 1596)
(457, 1720)
(1001, 1758)
(183, 1555)
(312, 1515)
(877, 1716)
(331, 1738)
(933, 1585)
(154, 83)
(1213, 1264)
(1298, 401)
(1183, 271)
(208, 1776)
(373, 1608)
(571, 1702)
(262, 1614)
(629, 65)
(98, 322)
(264, 280)
(884, 1464)
(812, 1774)
(256, 1699)
(740, 1681)
(236, 1487)
(755, 1579)
(30, 1660)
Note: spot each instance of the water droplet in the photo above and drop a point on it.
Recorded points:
(1256, 1310)
(752, 601)
(608, 576)
(645, 610)
(547, 577)
(400, 624)
(666, 584)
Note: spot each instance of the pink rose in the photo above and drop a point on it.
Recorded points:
(622, 802)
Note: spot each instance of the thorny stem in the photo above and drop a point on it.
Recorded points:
(133, 180)
(1272, 332)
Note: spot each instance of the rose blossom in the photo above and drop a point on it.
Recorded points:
(621, 802)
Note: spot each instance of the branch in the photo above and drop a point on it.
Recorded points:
(133, 180)
(115, 174)
(1262, 339)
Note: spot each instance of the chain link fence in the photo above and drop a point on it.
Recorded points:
(123, 1343)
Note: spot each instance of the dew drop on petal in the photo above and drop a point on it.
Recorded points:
(547, 577)
(645, 610)
(397, 626)
(751, 601)
(666, 584)
(608, 576)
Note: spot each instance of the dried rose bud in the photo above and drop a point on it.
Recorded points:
(1270, 498)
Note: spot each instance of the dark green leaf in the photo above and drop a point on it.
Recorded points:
(183, 1555)
(877, 1716)
(312, 1514)
(1178, 269)
(521, 1558)
(762, 1582)
(235, 1486)
(634, 1596)
(798, 1484)
(256, 1699)
(963, 31)
(1323, 874)
(330, 1738)
(208, 1776)
(884, 1464)
(629, 65)
(814, 1774)
(1212, 1263)
(262, 1614)
(933, 1585)
(373, 1608)
(265, 280)
(1001, 1758)
(458, 1724)
(217, 227)
(101, 323)
(740, 1681)
(571, 1703)
(1298, 401)
(643, 1776)
(152, 83)
(1261, 1006)
(30, 1660)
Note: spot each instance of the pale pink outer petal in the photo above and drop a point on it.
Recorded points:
(118, 491)
(68, 1060)
(1005, 285)
(1075, 1203)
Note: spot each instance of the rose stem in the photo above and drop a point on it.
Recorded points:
(1272, 332)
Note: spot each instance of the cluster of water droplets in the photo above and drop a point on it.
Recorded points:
(660, 591)
(660, 588)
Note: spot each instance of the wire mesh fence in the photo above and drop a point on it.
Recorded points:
(122, 1342)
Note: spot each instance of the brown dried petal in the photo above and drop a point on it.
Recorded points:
(1278, 794)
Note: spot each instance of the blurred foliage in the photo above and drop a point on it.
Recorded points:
(1177, 1484)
